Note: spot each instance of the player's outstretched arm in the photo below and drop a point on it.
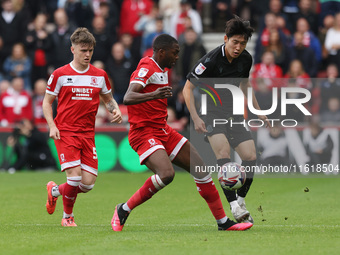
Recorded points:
(190, 102)
(48, 113)
(133, 95)
(244, 87)
(112, 106)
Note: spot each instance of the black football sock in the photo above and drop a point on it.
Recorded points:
(229, 194)
(250, 171)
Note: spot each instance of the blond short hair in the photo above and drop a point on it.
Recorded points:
(82, 36)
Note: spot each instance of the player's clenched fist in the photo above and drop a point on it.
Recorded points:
(200, 126)
(54, 133)
(163, 92)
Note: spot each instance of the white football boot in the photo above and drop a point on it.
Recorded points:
(243, 208)
(240, 214)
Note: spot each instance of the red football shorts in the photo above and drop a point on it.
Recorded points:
(147, 140)
(77, 151)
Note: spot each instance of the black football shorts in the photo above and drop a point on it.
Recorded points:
(234, 127)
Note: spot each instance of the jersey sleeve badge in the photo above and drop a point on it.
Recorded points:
(200, 69)
(142, 72)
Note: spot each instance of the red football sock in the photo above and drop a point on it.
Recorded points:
(152, 185)
(61, 188)
(208, 191)
(82, 188)
(70, 193)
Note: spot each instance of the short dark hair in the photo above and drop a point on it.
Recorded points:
(164, 42)
(238, 26)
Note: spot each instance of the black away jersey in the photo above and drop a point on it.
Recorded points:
(214, 68)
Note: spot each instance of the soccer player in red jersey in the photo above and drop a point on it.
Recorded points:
(79, 87)
(156, 143)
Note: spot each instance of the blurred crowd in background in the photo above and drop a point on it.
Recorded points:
(296, 41)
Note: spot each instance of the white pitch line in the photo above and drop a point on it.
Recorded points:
(188, 225)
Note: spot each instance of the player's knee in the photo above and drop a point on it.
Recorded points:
(195, 160)
(222, 153)
(250, 157)
(85, 188)
(167, 177)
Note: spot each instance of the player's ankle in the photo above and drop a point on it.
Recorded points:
(222, 221)
(126, 208)
(234, 204)
(240, 200)
(66, 215)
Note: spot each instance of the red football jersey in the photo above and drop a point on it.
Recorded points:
(154, 112)
(78, 97)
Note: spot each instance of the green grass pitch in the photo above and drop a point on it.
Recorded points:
(288, 220)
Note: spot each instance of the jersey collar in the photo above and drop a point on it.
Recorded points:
(157, 64)
(78, 70)
(222, 48)
(223, 54)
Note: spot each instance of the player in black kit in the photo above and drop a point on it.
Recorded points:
(229, 64)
